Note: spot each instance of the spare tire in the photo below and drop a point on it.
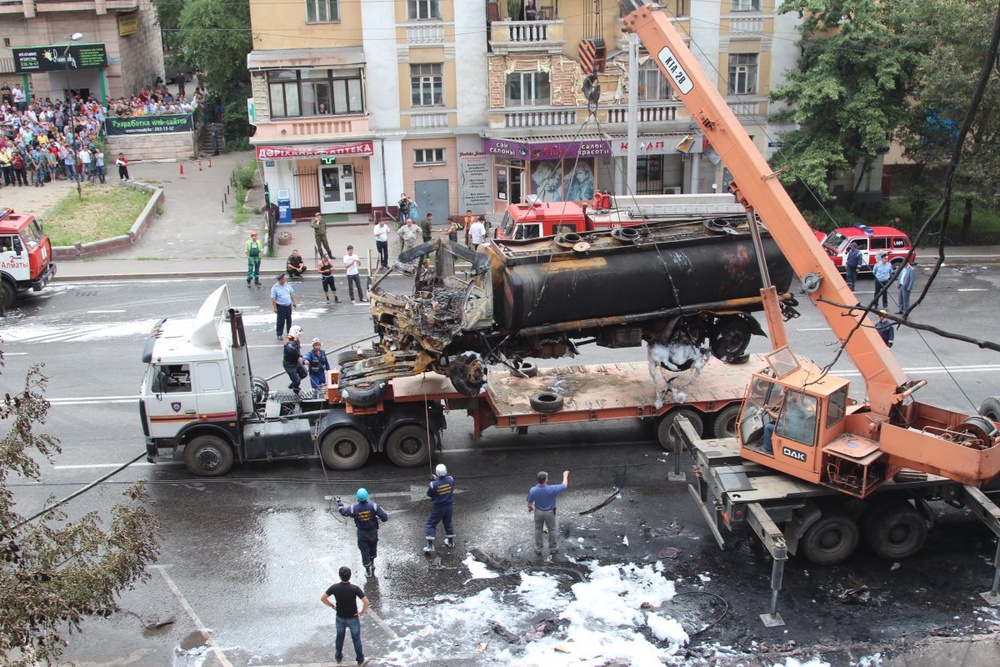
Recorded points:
(528, 369)
(346, 356)
(364, 396)
(546, 401)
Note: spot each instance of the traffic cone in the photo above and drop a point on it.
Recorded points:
(199, 165)
(209, 163)
(182, 168)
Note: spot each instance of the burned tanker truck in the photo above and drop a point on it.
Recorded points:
(685, 287)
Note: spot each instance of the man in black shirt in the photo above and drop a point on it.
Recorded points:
(346, 596)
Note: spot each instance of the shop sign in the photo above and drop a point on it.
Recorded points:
(116, 127)
(363, 149)
(60, 58)
(550, 150)
(474, 182)
(661, 145)
(128, 24)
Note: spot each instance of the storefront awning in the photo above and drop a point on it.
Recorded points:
(342, 56)
(555, 147)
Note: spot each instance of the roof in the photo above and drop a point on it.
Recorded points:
(854, 232)
(334, 56)
(13, 222)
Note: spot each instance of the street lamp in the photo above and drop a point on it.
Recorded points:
(75, 37)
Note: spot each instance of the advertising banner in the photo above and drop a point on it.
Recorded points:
(59, 58)
(116, 127)
(549, 150)
(362, 149)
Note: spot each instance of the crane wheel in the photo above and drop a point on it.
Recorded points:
(346, 356)
(830, 540)
(895, 530)
(667, 433)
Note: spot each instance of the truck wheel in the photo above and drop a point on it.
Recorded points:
(468, 375)
(724, 425)
(895, 530)
(346, 356)
(729, 339)
(365, 396)
(407, 445)
(990, 409)
(546, 401)
(9, 295)
(667, 432)
(830, 540)
(208, 456)
(260, 390)
(344, 449)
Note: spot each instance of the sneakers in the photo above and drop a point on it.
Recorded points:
(353, 302)
(370, 570)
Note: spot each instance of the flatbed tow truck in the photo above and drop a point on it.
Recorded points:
(809, 469)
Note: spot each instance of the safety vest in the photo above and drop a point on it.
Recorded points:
(253, 248)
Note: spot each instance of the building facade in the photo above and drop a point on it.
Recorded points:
(475, 105)
(117, 51)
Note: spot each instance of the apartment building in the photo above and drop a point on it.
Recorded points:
(475, 104)
(108, 48)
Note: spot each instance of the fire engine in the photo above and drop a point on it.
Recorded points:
(25, 255)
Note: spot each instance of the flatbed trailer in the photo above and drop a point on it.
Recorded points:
(790, 515)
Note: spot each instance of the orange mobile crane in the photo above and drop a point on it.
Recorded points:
(840, 460)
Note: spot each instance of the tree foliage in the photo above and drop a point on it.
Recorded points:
(55, 572)
(851, 88)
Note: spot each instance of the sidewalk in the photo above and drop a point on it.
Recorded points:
(196, 235)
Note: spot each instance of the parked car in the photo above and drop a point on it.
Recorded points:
(871, 241)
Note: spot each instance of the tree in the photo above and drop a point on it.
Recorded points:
(55, 572)
(851, 87)
(216, 37)
(946, 79)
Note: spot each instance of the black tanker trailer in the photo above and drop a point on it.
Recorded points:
(684, 287)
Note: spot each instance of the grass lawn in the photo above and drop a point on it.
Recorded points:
(103, 213)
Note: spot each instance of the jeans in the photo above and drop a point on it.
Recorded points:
(353, 280)
(852, 276)
(284, 319)
(440, 513)
(766, 445)
(100, 172)
(293, 374)
(355, 625)
(70, 171)
(383, 252)
(546, 518)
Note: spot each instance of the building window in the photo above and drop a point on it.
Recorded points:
(746, 5)
(426, 85)
(653, 86)
(322, 11)
(423, 9)
(525, 89)
(315, 92)
(743, 74)
(428, 156)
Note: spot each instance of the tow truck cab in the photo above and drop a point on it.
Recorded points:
(25, 255)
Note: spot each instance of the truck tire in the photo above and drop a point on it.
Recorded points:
(208, 456)
(344, 448)
(365, 396)
(666, 432)
(546, 402)
(831, 540)
(528, 368)
(729, 338)
(724, 424)
(895, 530)
(990, 408)
(346, 356)
(9, 295)
(467, 373)
(407, 446)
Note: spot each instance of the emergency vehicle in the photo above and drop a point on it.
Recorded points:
(25, 255)
(871, 242)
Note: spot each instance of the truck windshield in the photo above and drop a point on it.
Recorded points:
(507, 226)
(836, 240)
(32, 235)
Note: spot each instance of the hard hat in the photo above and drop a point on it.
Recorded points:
(295, 331)
(361, 495)
(441, 470)
(253, 232)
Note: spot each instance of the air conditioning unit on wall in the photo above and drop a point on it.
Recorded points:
(671, 191)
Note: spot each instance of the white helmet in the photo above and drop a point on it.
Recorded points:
(441, 470)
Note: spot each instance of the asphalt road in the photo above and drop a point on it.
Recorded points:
(245, 558)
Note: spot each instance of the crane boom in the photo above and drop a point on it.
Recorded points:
(758, 187)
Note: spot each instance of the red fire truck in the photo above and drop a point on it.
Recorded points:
(25, 255)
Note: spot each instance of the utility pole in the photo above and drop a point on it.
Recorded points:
(633, 112)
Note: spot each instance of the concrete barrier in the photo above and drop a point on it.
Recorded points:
(107, 246)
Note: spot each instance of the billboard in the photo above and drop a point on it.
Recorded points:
(148, 124)
(59, 58)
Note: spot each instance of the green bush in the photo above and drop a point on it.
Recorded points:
(245, 176)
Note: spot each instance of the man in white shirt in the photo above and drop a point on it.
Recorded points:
(477, 233)
(352, 264)
(86, 173)
(382, 243)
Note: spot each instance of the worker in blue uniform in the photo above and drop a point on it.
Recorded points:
(441, 491)
(366, 515)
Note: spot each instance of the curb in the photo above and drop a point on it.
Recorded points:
(79, 251)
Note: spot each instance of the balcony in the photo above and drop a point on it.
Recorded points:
(518, 36)
(30, 8)
(649, 112)
(750, 27)
(747, 107)
(424, 120)
(425, 34)
(535, 117)
(312, 129)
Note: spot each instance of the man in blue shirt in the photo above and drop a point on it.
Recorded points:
(442, 494)
(283, 300)
(542, 501)
(852, 263)
(366, 515)
(882, 272)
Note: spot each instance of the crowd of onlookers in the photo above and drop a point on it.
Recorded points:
(157, 100)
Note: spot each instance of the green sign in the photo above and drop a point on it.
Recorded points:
(148, 124)
(328, 160)
(60, 58)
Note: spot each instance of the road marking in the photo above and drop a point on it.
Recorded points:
(205, 632)
(971, 289)
(86, 400)
(101, 312)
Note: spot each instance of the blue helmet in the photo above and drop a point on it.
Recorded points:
(361, 495)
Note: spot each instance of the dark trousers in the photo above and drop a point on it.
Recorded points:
(885, 295)
(383, 253)
(368, 546)
(22, 176)
(355, 626)
(284, 319)
(328, 284)
(852, 276)
(8, 175)
(292, 370)
(441, 513)
(351, 282)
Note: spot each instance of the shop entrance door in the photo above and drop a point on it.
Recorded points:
(336, 187)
